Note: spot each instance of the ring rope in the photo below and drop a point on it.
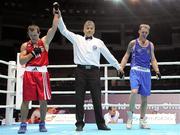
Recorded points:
(10, 106)
(117, 92)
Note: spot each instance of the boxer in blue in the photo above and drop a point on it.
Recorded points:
(142, 55)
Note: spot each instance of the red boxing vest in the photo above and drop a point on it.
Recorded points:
(41, 59)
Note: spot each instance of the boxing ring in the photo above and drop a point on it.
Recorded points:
(13, 101)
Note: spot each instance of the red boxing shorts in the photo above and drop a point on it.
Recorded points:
(36, 84)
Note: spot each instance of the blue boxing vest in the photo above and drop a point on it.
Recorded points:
(141, 56)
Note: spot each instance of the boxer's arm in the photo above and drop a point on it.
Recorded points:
(24, 57)
(126, 57)
(154, 62)
(51, 32)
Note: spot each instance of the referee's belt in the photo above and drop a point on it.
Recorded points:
(139, 68)
(87, 67)
(36, 68)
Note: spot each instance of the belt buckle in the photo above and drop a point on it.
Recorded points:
(87, 67)
(143, 68)
(35, 69)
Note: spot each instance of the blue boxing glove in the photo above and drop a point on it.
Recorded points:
(120, 74)
(158, 75)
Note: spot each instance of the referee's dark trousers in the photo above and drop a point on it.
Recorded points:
(88, 78)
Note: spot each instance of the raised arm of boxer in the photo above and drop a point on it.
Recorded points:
(51, 32)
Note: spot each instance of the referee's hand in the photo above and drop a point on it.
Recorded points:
(120, 74)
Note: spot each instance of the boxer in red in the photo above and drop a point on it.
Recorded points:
(36, 82)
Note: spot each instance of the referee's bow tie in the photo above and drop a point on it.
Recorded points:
(88, 38)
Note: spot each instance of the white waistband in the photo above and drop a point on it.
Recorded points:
(139, 68)
(36, 69)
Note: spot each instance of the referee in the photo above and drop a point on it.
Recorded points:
(87, 50)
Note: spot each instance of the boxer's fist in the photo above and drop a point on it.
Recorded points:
(120, 74)
(158, 75)
(56, 5)
(36, 52)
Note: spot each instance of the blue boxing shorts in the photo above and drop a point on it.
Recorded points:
(140, 78)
